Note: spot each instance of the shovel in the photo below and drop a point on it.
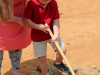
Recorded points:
(56, 43)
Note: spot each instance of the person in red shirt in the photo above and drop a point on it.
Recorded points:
(37, 13)
(13, 37)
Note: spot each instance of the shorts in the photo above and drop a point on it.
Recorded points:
(41, 47)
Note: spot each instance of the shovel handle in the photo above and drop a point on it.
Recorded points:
(56, 43)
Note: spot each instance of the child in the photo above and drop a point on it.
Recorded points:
(37, 13)
(13, 37)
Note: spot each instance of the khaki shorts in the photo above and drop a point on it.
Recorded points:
(41, 47)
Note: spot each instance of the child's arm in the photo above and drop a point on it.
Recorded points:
(56, 29)
(16, 1)
(31, 24)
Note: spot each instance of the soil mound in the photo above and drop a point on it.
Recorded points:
(53, 71)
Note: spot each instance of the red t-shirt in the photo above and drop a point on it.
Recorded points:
(39, 15)
(14, 36)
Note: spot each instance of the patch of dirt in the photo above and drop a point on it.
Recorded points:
(53, 71)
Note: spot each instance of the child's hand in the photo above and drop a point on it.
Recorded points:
(56, 38)
(43, 28)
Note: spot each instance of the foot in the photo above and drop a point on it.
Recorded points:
(16, 72)
(62, 68)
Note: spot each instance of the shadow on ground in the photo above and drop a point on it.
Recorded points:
(29, 65)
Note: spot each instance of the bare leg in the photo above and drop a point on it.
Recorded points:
(16, 72)
(59, 64)
(58, 55)
(43, 65)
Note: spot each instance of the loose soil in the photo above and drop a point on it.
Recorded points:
(80, 31)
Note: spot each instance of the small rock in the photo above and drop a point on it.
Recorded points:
(68, 43)
(94, 67)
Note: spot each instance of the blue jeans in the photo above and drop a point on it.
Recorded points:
(15, 56)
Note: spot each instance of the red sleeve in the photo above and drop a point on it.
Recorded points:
(29, 10)
(56, 12)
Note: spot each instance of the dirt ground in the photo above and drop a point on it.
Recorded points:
(80, 31)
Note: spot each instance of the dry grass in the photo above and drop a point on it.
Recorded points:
(37, 71)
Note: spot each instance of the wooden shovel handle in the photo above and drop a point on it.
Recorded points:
(56, 43)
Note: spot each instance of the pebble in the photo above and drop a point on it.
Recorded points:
(94, 67)
(68, 43)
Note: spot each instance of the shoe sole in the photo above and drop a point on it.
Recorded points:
(59, 69)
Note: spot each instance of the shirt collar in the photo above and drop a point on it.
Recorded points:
(38, 4)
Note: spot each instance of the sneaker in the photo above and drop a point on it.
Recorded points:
(62, 68)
